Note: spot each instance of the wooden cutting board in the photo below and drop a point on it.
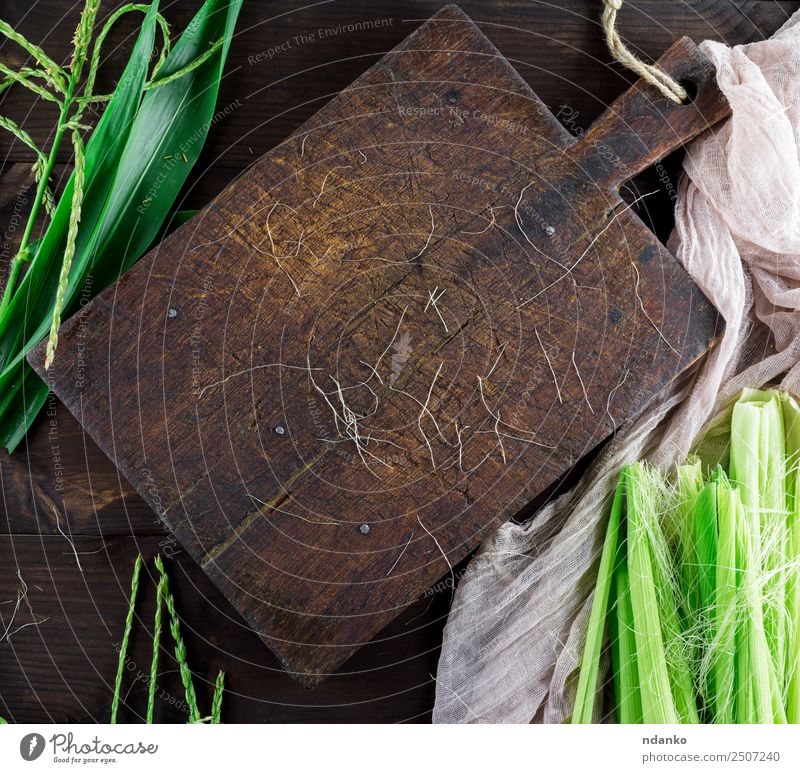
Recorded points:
(389, 335)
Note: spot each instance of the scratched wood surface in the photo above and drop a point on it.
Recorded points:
(390, 335)
(567, 66)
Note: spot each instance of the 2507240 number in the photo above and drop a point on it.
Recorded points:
(754, 756)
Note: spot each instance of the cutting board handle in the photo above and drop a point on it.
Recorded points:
(642, 126)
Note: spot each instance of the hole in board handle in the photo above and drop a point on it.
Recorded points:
(690, 86)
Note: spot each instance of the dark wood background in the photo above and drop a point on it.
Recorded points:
(62, 667)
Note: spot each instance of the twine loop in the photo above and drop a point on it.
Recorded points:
(652, 73)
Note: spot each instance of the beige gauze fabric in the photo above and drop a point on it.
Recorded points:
(516, 628)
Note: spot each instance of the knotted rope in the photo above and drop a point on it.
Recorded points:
(652, 73)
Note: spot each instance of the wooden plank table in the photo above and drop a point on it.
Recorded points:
(284, 65)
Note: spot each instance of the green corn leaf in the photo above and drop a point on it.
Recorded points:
(753, 434)
(791, 423)
(137, 159)
(676, 650)
(704, 524)
(757, 464)
(658, 705)
(155, 164)
(704, 615)
(623, 650)
(689, 485)
(723, 639)
(172, 122)
(793, 603)
(28, 315)
(590, 665)
(756, 672)
(744, 471)
(774, 528)
(21, 402)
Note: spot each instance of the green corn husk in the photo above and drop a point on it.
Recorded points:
(623, 651)
(757, 467)
(672, 628)
(793, 615)
(705, 548)
(726, 615)
(689, 486)
(678, 655)
(703, 606)
(791, 424)
(587, 683)
(658, 706)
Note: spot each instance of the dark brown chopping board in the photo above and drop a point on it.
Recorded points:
(401, 188)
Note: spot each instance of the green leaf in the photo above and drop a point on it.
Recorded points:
(791, 422)
(590, 664)
(690, 483)
(21, 402)
(173, 223)
(147, 177)
(757, 465)
(723, 639)
(704, 522)
(29, 313)
(623, 650)
(658, 706)
(165, 142)
(137, 160)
